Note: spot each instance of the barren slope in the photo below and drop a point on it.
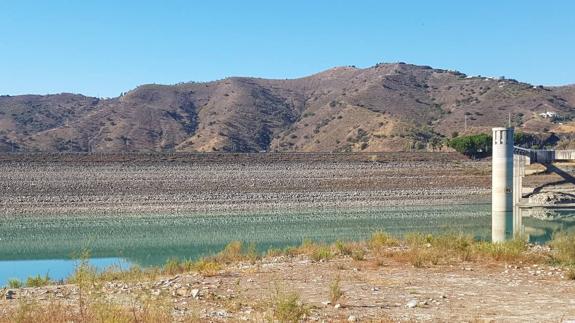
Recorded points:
(388, 107)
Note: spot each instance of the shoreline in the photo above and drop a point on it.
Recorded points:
(422, 278)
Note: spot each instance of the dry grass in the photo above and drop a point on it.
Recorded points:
(237, 251)
(315, 251)
(38, 281)
(564, 248)
(382, 239)
(287, 306)
(335, 292)
(513, 250)
(207, 268)
(420, 250)
(93, 311)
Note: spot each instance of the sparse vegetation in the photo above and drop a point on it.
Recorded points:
(419, 250)
(287, 306)
(382, 239)
(564, 247)
(335, 292)
(14, 283)
(38, 281)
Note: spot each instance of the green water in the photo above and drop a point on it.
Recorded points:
(149, 239)
(33, 243)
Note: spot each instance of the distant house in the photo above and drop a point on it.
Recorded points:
(549, 114)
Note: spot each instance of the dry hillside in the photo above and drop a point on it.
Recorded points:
(388, 107)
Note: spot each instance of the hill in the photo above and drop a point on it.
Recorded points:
(387, 107)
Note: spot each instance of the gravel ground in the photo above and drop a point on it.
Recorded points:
(124, 184)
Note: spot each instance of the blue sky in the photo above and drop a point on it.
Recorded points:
(104, 47)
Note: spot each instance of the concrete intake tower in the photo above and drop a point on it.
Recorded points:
(502, 185)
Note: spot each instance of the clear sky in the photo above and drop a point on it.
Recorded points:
(104, 47)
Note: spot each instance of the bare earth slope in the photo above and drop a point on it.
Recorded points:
(388, 107)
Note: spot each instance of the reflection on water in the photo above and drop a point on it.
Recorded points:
(542, 230)
(30, 245)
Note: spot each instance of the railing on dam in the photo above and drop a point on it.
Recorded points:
(544, 155)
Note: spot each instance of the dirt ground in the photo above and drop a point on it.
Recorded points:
(386, 290)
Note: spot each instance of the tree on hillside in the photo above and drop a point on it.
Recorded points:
(475, 146)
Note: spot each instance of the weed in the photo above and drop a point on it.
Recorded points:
(273, 252)
(564, 247)
(38, 281)
(14, 283)
(503, 251)
(343, 248)
(207, 267)
(133, 274)
(172, 266)
(335, 291)
(287, 306)
(232, 252)
(358, 254)
(321, 253)
(382, 239)
(237, 251)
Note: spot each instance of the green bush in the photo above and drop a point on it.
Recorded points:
(476, 146)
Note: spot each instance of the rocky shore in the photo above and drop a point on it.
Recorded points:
(127, 184)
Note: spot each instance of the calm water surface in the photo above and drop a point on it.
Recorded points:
(48, 245)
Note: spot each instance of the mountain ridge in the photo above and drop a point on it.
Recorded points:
(387, 107)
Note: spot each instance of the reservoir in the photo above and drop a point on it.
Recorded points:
(40, 245)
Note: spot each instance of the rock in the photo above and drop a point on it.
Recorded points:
(336, 306)
(10, 294)
(326, 303)
(195, 293)
(352, 318)
(183, 292)
(411, 304)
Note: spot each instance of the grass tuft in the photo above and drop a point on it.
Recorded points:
(512, 250)
(207, 268)
(14, 283)
(382, 239)
(38, 281)
(321, 253)
(335, 292)
(288, 307)
(563, 245)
